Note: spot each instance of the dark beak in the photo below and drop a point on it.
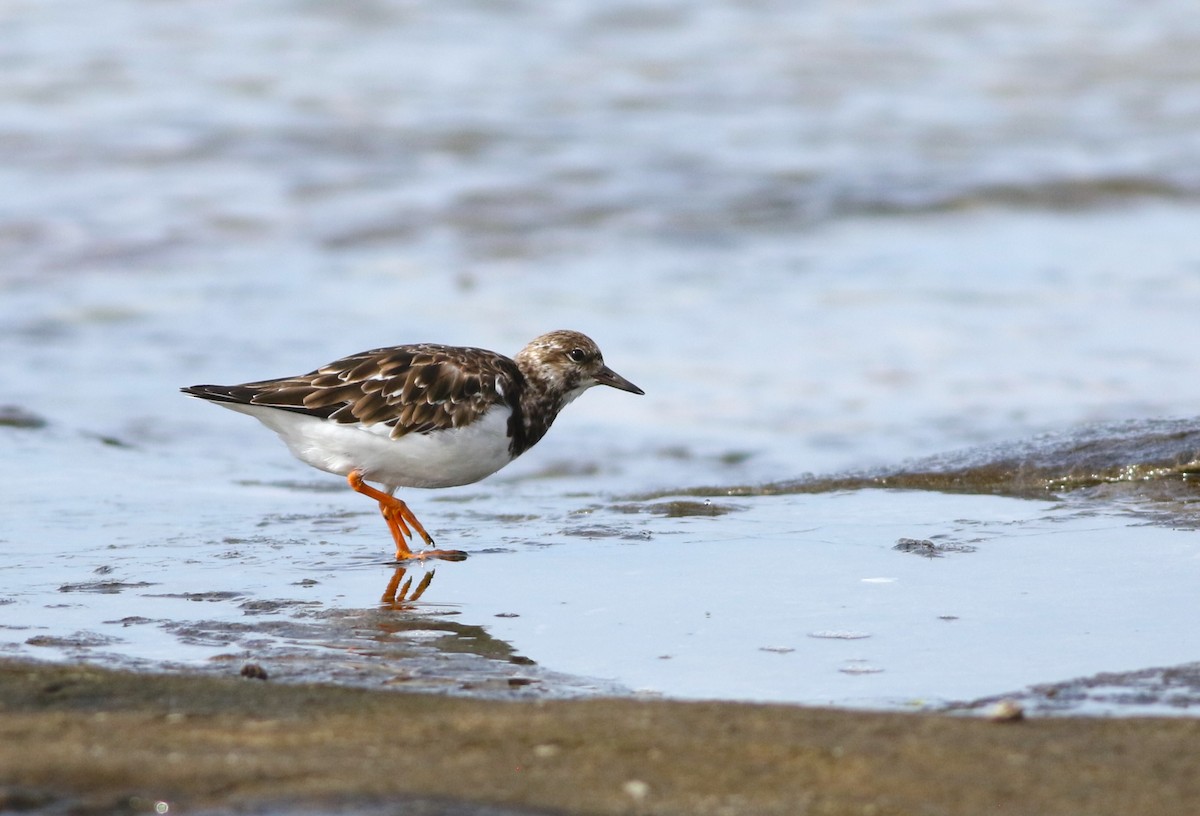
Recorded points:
(606, 376)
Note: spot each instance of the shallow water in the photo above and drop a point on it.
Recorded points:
(872, 597)
(825, 242)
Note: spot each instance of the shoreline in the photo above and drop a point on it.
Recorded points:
(88, 739)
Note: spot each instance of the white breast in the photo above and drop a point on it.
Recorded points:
(441, 459)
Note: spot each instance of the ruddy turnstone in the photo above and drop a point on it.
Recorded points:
(422, 415)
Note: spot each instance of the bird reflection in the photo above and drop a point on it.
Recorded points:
(403, 595)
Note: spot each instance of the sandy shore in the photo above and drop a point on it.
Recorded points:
(89, 740)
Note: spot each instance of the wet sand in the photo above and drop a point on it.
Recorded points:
(85, 740)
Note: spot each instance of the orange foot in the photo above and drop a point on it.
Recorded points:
(401, 522)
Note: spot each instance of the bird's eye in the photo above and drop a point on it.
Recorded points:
(577, 355)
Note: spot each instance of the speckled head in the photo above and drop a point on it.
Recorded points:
(568, 363)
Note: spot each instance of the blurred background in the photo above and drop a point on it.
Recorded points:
(819, 235)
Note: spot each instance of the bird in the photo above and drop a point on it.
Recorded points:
(421, 415)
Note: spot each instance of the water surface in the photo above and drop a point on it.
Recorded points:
(837, 247)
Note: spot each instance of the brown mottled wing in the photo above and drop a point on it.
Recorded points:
(415, 389)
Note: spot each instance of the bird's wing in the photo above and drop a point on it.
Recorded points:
(414, 389)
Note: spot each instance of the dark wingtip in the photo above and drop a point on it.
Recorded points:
(217, 393)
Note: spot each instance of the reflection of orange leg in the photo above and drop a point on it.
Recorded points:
(401, 522)
(396, 595)
(389, 593)
(422, 586)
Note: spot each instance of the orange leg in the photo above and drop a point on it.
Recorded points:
(401, 522)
